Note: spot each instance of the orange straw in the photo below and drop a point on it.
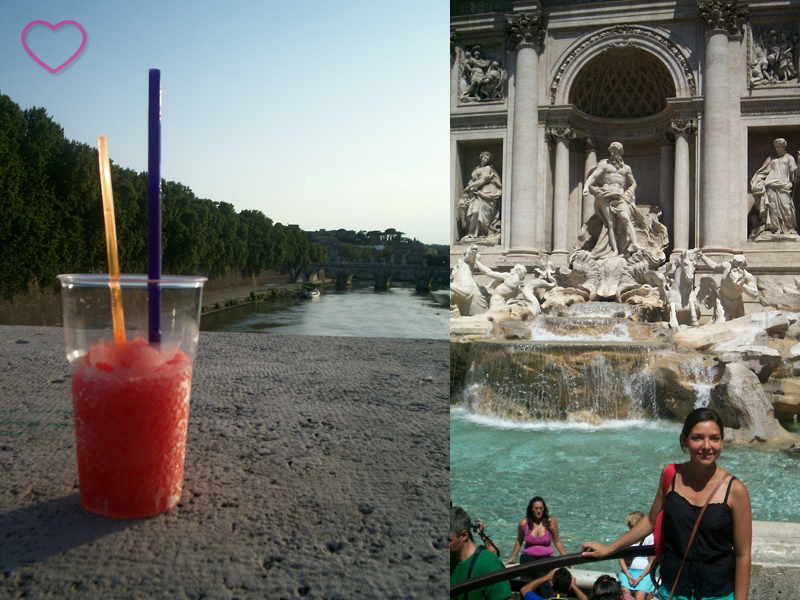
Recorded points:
(111, 243)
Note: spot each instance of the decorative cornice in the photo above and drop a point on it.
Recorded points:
(685, 109)
(453, 41)
(626, 31)
(603, 129)
(786, 105)
(478, 121)
(557, 134)
(527, 29)
(721, 15)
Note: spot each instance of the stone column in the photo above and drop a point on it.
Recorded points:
(680, 228)
(561, 136)
(591, 162)
(666, 180)
(721, 19)
(527, 31)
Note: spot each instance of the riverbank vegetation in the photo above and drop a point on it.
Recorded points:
(51, 218)
(390, 245)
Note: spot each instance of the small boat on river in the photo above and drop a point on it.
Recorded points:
(311, 293)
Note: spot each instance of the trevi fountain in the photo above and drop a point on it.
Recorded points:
(624, 248)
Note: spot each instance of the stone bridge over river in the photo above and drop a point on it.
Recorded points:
(422, 276)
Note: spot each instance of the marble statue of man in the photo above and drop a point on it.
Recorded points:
(509, 284)
(735, 282)
(772, 187)
(465, 293)
(612, 184)
(478, 207)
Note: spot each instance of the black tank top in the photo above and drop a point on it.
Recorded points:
(710, 566)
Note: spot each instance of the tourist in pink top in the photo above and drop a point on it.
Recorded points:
(536, 535)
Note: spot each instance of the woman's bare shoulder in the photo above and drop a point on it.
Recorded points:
(739, 489)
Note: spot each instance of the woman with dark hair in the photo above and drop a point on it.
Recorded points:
(537, 533)
(717, 564)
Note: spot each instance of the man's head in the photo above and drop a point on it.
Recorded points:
(520, 270)
(738, 260)
(460, 533)
(562, 581)
(615, 150)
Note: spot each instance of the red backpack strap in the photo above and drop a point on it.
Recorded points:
(669, 475)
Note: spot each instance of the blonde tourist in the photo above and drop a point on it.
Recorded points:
(635, 580)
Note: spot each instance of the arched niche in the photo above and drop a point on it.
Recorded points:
(623, 82)
(590, 47)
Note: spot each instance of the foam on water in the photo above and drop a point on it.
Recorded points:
(463, 413)
(619, 333)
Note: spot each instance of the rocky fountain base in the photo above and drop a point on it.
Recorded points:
(599, 361)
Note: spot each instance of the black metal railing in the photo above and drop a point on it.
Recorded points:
(547, 564)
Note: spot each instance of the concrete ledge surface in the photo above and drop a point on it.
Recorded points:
(315, 468)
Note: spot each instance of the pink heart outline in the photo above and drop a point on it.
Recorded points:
(53, 28)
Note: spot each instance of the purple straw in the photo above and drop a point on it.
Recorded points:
(154, 206)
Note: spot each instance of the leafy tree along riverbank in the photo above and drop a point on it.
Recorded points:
(51, 218)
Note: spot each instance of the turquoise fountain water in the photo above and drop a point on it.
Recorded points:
(511, 439)
(590, 477)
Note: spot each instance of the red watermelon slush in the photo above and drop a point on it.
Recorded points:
(131, 403)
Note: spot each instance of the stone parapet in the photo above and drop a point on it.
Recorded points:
(315, 467)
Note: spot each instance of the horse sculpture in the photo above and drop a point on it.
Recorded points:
(466, 296)
(680, 293)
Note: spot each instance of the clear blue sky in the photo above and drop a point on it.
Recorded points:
(327, 114)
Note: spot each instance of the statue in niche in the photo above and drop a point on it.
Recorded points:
(619, 227)
(772, 186)
(479, 206)
(481, 79)
(466, 296)
(726, 298)
(774, 55)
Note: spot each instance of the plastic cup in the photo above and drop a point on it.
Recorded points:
(130, 399)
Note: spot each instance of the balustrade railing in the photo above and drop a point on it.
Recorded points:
(547, 564)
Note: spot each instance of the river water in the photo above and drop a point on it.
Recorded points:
(591, 477)
(399, 312)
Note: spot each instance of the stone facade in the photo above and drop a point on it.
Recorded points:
(697, 91)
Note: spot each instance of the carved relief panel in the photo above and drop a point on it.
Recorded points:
(482, 76)
(772, 56)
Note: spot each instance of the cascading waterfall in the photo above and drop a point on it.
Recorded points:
(562, 380)
(591, 363)
(700, 377)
